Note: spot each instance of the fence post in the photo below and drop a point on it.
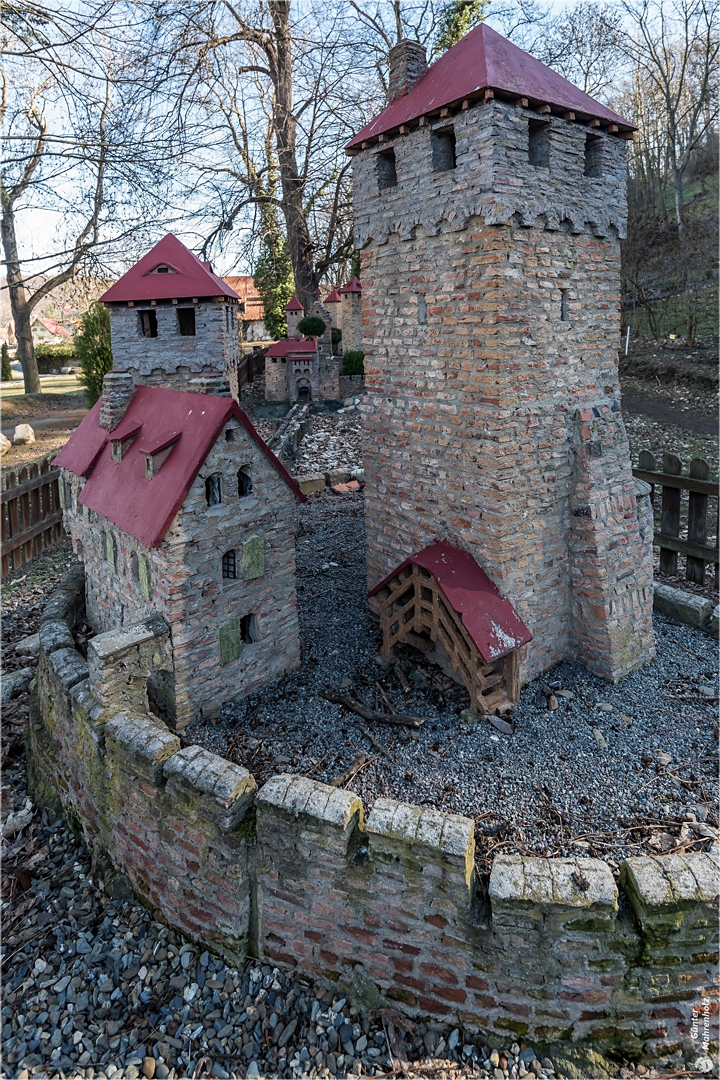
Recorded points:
(670, 514)
(697, 521)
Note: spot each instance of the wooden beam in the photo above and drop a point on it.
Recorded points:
(489, 95)
(698, 551)
(594, 123)
(570, 115)
(522, 102)
(612, 129)
(19, 541)
(685, 483)
(544, 109)
(465, 104)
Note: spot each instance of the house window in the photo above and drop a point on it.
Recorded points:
(539, 144)
(230, 643)
(148, 323)
(386, 173)
(229, 572)
(248, 629)
(443, 149)
(111, 550)
(213, 490)
(186, 321)
(253, 558)
(144, 576)
(134, 567)
(593, 156)
(564, 314)
(244, 481)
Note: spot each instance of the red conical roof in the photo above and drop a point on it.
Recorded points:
(187, 276)
(353, 285)
(294, 305)
(333, 298)
(484, 60)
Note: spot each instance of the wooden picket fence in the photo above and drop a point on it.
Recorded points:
(684, 526)
(31, 513)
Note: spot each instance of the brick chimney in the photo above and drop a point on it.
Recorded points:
(117, 391)
(407, 64)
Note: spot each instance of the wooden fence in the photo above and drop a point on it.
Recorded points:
(695, 519)
(31, 513)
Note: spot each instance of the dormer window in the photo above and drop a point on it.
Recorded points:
(186, 321)
(163, 268)
(148, 323)
(121, 441)
(157, 453)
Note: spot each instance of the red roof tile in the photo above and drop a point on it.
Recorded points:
(188, 277)
(353, 285)
(291, 346)
(333, 298)
(483, 60)
(52, 326)
(119, 490)
(492, 622)
(294, 305)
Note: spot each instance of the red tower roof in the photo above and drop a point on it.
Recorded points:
(294, 305)
(333, 298)
(119, 490)
(484, 60)
(187, 276)
(492, 622)
(353, 285)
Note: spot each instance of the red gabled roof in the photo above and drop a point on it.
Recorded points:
(484, 60)
(119, 490)
(492, 622)
(190, 277)
(353, 285)
(294, 305)
(333, 298)
(290, 346)
(52, 326)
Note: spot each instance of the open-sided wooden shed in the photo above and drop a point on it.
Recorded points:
(441, 595)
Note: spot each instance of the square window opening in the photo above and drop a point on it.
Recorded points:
(229, 435)
(248, 629)
(386, 171)
(186, 321)
(593, 156)
(148, 323)
(539, 144)
(229, 566)
(443, 149)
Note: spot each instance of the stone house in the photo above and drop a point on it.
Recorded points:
(46, 331)
(489, 202)
(172, 320)
(298, 369)
(177, 508)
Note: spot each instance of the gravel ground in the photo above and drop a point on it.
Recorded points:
(593, 769)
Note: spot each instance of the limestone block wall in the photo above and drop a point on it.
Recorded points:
(276, 378)
(186, 583)
(329, 380)
(170, 360)
(388, 910)
(351, 321)
(491, 320)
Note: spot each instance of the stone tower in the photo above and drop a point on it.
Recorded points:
(173, 323)
(489, 206)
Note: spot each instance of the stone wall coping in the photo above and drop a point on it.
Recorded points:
(116, 642)
(55, 634)
(211, 775)
(671, 881)
(522, 879)
(148, 740)
(299, 795)
(450, 833)
(69, 666)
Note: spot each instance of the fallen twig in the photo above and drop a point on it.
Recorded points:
(346, 776)
(399, 719)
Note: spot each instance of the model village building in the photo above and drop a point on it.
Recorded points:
(174, 503)
(489, 204)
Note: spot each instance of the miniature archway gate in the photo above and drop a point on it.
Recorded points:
(460, 607)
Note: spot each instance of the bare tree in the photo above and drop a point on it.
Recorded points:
(583, 45)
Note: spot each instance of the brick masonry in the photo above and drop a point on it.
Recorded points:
(388, 909)
(491, 414)
(186, 584)
(171, 360)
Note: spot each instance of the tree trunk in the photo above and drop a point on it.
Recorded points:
(299, 241)
(21, 311)
(679, 208)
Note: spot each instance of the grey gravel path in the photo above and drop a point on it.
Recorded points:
(610, 771)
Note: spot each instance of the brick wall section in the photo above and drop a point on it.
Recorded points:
(170, 360)
(388, 907)
(351, 321)
(490, 323)
(187, 586)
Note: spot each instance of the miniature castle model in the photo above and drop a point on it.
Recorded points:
(489, 202)
(297, 369)
(178, 509)
(172, 320)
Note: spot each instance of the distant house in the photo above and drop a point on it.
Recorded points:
(252, 310)
(48, 332)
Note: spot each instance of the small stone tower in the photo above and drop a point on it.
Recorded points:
(294, 313)
(489, 206)
(351, 314)
(173, 323)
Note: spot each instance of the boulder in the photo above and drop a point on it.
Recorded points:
(15, 683)
(684, 607)
(23, 435)
(5, 444)
(29, 646)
